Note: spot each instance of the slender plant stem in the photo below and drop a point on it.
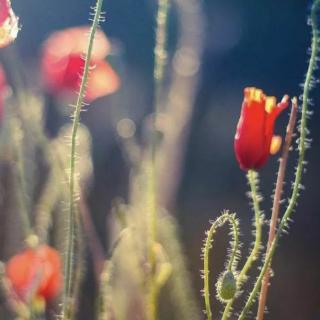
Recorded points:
(160, 55)
(225, 217)
(276, 202)
(253, 182)
(160, 50)
(152, 294)
(308, 84)
(301, 163)
(72, 183)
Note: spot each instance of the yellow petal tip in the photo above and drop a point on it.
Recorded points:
(275, 144)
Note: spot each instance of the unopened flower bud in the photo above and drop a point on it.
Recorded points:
(226, 286)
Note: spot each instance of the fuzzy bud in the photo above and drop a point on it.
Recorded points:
(226, 286)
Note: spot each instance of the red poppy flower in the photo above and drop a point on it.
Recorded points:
(62, 64)
(35, 272)
(8, 24)
(254, 139)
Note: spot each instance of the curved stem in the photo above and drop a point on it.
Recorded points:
(301, 147)
(225, 217)
(253, 182)
(72, 183)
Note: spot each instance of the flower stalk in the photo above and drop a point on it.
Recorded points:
(67, 297)
(302, 145)
(160, 56)
(277, 200)
(252, 177)
(221, 220)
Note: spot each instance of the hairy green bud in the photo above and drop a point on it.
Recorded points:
(226, 286)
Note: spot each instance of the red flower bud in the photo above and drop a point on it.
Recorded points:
(63, 63)
(254, 139)
(8, 24)
(35, 273)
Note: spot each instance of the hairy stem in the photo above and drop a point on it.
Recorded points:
(72, 181)
(160, 55)
(225, 217)
(302, 148)
(160, 51)
(276, 202)
(253, 182)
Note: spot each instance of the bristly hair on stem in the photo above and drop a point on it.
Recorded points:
(160, 60)
(67, 296)
(302, 145)
(233, 255)
(253, 180)
(277, 201)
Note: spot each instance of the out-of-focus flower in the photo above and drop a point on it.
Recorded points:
(254, 139)
(4, 10)
(62, 64)
(35, 273)
(102, 81)
(8, 24)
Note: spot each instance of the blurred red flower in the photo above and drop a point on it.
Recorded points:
(4, 10)
(62, 64)
(8, 24)
(254, 139)
(35, 273)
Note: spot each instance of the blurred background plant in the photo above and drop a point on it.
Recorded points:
(118, 272)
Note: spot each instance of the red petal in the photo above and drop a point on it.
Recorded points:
(23, 269)
(4, 10)
(255, 128)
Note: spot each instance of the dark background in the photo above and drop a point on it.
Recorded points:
(247, 43)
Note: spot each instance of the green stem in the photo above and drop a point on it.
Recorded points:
(225, 217)
(302, 148)
(253, 182)
(160, 61)
(160, 52)
(160, 55)
(277, 201)
(72, 183)
(153, 292)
